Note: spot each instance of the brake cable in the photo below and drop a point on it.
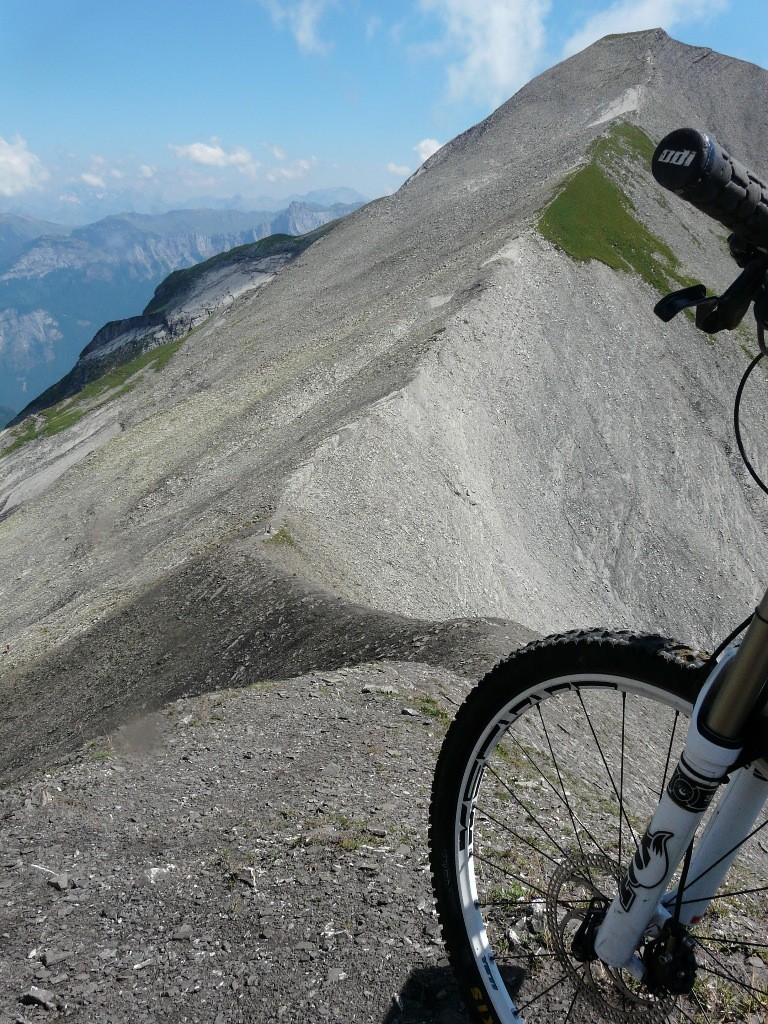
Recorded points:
(737, 407)
(715, 314)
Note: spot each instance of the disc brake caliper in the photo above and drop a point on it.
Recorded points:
(583, 944)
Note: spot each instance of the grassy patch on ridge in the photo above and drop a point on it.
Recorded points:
(593, 219)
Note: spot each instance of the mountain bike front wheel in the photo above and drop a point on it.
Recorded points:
(546, 780)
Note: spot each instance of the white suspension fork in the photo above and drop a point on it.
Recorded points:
(685, 800)
(713, 745)
(731, 823)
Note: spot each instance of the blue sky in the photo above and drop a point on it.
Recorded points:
(185, 98)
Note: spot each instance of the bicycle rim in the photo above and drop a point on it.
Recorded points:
(555, 793)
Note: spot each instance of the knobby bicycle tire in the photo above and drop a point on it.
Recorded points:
(546, 778)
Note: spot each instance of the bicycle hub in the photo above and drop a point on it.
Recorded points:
(669, 961)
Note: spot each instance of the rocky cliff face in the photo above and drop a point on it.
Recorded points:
(437, 410)
(72, 281)
(181, 303)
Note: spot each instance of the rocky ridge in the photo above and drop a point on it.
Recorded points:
(425, 331)
(432, 415)
(183, 301)
(57, 285)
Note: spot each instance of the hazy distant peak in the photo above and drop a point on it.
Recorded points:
(83, 207)
(330, 196)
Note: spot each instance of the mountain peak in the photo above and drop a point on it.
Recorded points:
(443, 410)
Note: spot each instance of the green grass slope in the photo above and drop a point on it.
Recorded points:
(591, 218)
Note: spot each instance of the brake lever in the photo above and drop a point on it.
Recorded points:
(761, 316)
(715, 313)
(729, 310)
(673, 303)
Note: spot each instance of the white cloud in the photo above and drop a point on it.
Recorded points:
(498, 44)
(277, 151)
(116, 174)
(302, 17)
(400, 171)
(93, 180)
(212, 154)
(426, 148)
(636, 15)
(20, 170)
(147, 171)
(289, 172)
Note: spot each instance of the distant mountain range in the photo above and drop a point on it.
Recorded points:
(83, 204)
(59, 284)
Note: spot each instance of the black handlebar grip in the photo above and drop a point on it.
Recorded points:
(690, 164)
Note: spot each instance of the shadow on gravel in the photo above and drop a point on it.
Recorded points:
(229, 618)
(429, 996)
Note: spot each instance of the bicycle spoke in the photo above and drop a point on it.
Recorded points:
(608, 772)
(687, 1015)
(731, 942)
(681, 883)
(527, 810)
(725, 895)
(490, 817)
(510, 874)
(723, 972)
(560, 980)
(735, 847)
(562, 786)
(501, 901)
(527, 956)
(734, 981)
(576, 995)
(554, 789)
(669, 755)
(621, 774)
(580, 905)
(700, 1005)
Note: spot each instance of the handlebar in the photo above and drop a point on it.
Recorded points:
(695, 167)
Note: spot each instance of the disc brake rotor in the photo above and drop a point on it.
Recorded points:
(612, 992)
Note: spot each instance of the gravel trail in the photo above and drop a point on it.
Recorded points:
(242, 856)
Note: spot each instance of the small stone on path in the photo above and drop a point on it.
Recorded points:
(39, 997)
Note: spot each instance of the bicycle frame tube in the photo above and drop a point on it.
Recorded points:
(736, 698)
(713, 745)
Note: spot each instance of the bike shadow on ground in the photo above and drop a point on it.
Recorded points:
(429, 996)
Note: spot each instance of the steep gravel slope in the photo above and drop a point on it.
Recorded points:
(624, 502)
(442, 414)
